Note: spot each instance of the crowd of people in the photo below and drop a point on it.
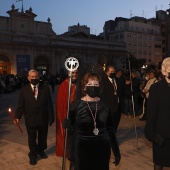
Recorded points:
(97, 101)
(122, 92)
(11, 82)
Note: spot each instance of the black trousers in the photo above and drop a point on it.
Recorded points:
(117, 116)
(37, 139)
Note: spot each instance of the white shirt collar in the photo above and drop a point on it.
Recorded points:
(32, 86)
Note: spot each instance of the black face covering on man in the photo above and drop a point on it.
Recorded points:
(112, 75)
(34, 81)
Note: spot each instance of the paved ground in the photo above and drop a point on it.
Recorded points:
(136, 152)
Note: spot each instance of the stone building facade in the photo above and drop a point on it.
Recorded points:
(142, 38)
(26, 44)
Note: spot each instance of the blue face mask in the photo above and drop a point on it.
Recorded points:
(92, 91)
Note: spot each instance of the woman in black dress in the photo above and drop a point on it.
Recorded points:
(92, 133)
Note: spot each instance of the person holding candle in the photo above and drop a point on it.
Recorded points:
(35, 104)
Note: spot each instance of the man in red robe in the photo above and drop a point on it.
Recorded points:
(61, 110)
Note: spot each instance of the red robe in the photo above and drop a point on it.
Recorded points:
(61, 111)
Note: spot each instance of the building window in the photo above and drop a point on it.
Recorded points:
(22, 25)
(144, 44)
(144, 37)
(129, 43)
(157, 46)
(129, 35)
(157, 38)
(139, 36)
(148, 30)
(139, 44)
(134, 52)
(134, 43)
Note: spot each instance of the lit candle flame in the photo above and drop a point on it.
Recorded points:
(9, 109)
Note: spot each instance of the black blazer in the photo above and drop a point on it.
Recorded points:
(36, 112)
(158, 111)
(108, 94)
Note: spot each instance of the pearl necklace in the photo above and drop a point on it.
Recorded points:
(96, 130)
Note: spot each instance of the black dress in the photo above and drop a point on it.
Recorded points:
(92, 152)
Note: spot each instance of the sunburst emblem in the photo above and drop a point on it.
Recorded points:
(71, 64)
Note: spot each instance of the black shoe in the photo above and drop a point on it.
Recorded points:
(33, 161)
(43, 155)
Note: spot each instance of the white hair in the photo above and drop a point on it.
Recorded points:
(32, 70)
(165, 65)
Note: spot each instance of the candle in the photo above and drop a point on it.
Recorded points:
(13, 117)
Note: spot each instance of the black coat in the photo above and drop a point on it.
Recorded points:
(36, 112)
(108, 94)
(158, 111)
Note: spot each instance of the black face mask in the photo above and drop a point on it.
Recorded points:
(34, 81)
(112, 75)
(92, 91)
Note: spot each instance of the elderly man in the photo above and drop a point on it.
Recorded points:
(36, 104)
(111, 93)
(157, 127)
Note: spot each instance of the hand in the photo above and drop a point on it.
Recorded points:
(117, 160)
(16, 120)
(66, 123)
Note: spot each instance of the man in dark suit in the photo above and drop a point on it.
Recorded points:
(36, 104)
(110, 93)
(157, 128)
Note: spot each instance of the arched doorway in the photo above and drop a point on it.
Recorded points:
(5, 65)
(42, 65)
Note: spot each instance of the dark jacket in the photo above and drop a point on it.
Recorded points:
(108, 94)
(36, 112)
(158, 111)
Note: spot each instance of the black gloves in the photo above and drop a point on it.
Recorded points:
(66, 123)
(117, 160)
